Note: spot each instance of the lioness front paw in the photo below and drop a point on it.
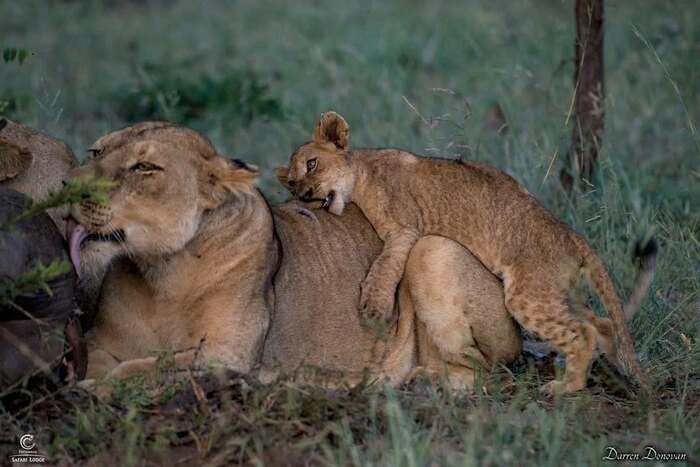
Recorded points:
(558, 388)
(101, 389)
(376, 306)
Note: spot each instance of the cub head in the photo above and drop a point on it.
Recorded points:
(321, 169)
(165, 177)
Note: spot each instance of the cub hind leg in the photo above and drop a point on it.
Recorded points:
(605, 332)
(543, 309)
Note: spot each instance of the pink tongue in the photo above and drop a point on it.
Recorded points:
(77, 235)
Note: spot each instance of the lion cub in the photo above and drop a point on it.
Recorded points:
(538, 257)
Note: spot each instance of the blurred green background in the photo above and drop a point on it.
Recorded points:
(253, 76)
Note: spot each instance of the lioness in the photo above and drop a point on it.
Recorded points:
(406, 197)
(189, 220)
(197, 253)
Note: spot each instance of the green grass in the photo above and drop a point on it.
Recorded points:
(254, 76)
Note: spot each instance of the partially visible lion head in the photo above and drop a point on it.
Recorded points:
(34, 164)
(165, 178)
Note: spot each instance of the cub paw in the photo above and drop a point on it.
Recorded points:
(376, 306)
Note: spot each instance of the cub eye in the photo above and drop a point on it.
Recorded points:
(144, 168)
(310, 164)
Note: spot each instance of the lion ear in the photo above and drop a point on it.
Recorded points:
(282, 174)
(332, 128)
(223, 177)
(14, 160)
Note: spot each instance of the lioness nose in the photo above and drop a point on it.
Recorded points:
(307, 196)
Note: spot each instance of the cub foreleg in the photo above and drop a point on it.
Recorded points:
(379, 287)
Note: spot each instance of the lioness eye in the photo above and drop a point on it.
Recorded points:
(144, 167)
(94, 152)
(311, 164)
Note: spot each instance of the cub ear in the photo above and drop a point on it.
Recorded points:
(332, 128)
(282, 174)
(13, 160)
(221, 177)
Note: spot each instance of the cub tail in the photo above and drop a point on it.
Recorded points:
(645, 256)
(598, 277)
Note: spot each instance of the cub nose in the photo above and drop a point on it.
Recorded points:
(308, 195)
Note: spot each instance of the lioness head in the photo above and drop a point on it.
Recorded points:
(165, 177)
(321, 170)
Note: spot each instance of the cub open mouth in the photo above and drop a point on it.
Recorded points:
(328, 199)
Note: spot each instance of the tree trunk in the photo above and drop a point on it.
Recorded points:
(589, 91)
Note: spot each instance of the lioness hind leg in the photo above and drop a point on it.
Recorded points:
(451, 332)
(433, 365)
(459, 378)
(439, 280)
(548, 316)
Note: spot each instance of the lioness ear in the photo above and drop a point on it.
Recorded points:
(13, 160)
(282, 174)
(222, 177)
(332, 128)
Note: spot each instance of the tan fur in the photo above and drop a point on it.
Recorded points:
(218, 284)
(34, 164)
(406, 197)
(189, 219)
(316, 325)
(14, 160)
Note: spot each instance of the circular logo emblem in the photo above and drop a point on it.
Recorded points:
(27, 442)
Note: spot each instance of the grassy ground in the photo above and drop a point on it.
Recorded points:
(424, 76)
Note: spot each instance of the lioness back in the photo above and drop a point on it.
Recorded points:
(321, 254)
